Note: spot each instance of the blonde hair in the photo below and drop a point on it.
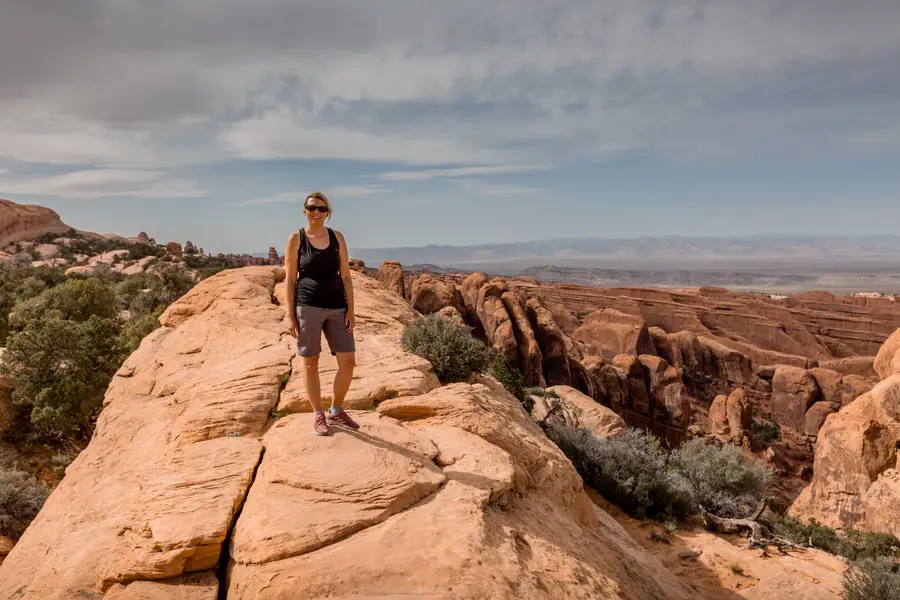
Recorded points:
(323, 198)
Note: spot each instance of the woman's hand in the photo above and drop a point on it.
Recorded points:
(350, 321)
(294, 328)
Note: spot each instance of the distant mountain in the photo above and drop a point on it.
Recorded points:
(756, 252)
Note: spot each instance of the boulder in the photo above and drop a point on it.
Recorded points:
(609, 332)
(611, 383)
(451, 313)
(855, 449)
(862, 366)
(576, 410)
(831, 384)
(430, 294)
(794, 391)
(887, 362)
(739, 413)
(390, 274)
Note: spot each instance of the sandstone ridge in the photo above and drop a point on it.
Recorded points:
(27, 221)
(193, 487)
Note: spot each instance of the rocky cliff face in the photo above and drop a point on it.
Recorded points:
(856, 474)
(661, 358)
(192, 487)
(26, 221)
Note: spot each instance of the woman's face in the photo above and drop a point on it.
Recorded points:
(315, 210)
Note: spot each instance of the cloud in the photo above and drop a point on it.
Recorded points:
(347, 191)
(126, 83)
(482, 188)
(99, 183)
(425, 174)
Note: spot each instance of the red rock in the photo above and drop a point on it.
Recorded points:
(531, 360)
(739, 412)
(551, 341)
(609, 332)
(495, 320)
(718, 417)
(832, 385)
(430, 294)
(854, 387)
(20, 222)
(816, 415)
(390, 274)
(887, 362)
(452, 314)
(863, 366)
(794, 391)
(612, 383)
(855, 449)
(173, 249)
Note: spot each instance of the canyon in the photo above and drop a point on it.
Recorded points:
(679, 362)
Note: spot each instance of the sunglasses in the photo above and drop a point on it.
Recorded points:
(316, 207)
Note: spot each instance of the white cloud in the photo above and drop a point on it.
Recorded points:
(99, 183)
(482, 188)
(425, 174)
(346, 191)
(416, 84)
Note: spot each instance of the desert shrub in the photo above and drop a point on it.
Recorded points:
(79, 299)
(138, 328)
(21, 498)
(509, 375)
(853, 545)
(765, 432)
(721, 479)
(60, 369)
(629, 468)
(448, 345)
(873, 579)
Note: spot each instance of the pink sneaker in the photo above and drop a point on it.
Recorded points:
(319, 425)
(343, 418)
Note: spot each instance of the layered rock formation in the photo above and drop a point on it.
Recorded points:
(856, 473)
(27, 221)
(660, 358)
(192, 487)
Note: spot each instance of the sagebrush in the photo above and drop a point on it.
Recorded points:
(634, 471)
(21, 498)
(853, 545)
(448, 345)
(873, 579)
(630, 469)
(722, 481)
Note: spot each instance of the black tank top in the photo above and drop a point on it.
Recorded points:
(319, 280)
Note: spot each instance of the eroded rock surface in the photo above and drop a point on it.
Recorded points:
(192, 488)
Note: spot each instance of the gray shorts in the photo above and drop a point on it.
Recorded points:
(314, 321)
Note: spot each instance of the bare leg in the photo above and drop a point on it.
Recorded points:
(313, 391)
(346, 362)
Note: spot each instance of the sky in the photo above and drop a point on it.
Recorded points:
(463, 122)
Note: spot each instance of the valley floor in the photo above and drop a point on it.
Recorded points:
(721, 567)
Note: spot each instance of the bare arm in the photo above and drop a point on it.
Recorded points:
(290, 269)
(346, 276)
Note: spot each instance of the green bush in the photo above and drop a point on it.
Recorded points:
(60, 369)
(721, 479)
(765, 432)
(873, 579)
(853, 545)
(448, 345)
(509, 375)
(630, 469)
(21, 498)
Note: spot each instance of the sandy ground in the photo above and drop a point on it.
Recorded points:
(723, 568)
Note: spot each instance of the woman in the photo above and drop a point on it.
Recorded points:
(320, 299)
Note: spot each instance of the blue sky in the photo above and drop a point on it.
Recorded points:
(453, 123)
